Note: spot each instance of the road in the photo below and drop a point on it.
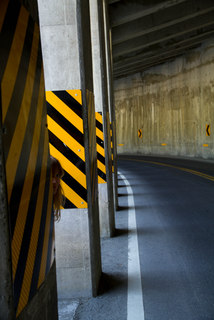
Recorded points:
(159, 266)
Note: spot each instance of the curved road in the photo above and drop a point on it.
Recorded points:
(175, 226)
(160, 264)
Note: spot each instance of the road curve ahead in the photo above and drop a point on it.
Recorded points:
(175, 229)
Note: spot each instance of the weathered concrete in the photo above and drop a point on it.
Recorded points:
(6, 291)
(106, 224)
(59, 36)
(172, 104)
(43, 305)
(109, 64)
(73, 254)
(106, 200)
(66, 47)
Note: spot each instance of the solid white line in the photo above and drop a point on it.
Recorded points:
(135, 309)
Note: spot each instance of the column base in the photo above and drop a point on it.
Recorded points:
(73, 255)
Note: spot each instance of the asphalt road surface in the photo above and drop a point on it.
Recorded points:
(160, 264)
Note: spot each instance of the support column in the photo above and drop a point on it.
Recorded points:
(66, 47)
(6, 284)
(104, 164)
(109, 63)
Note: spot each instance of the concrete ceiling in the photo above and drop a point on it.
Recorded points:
(149, 32)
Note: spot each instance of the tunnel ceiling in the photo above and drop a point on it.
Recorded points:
(149, 32)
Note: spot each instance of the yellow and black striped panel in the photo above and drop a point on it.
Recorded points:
(92, 143)
(66, 137)
(112, 147)
(26, 152)
(101, 166)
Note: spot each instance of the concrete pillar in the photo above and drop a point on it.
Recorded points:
(6, 291)
(66, 48)
(109, 63)
(105, 182)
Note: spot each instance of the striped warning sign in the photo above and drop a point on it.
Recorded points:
(66, 137)
(26, 152)
(101, 167)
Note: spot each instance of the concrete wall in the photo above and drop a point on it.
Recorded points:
(171, 104)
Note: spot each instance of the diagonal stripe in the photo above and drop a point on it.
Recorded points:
(99, 134)
(69, 101)
(99, 125)
(13, 62)
(41, 238)
(19, 89)
(99, 117)
(100, 150)
(69, 154)
(68, 204)
(100, 142)
(100, 180)
(76, 94)
(45, 245)
(65, 110)
(75, 185)
(65, 124)
(101, 158)
(66, 138)
(27, 187)
(68, 166)
(3, 10)
(8, 27)
(101, 166)
(32, 131)
(19, 133)
(74, 197)
(26, 283)
(25, 241)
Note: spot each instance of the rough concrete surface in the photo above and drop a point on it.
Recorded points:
(172, 104)
(67, 309)
(73, 254)
(112, 297)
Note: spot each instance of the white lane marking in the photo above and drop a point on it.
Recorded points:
(135, 308)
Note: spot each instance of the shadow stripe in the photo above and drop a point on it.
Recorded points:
(7, 33)
(65, 124)
(69, 101)
(16, 100)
